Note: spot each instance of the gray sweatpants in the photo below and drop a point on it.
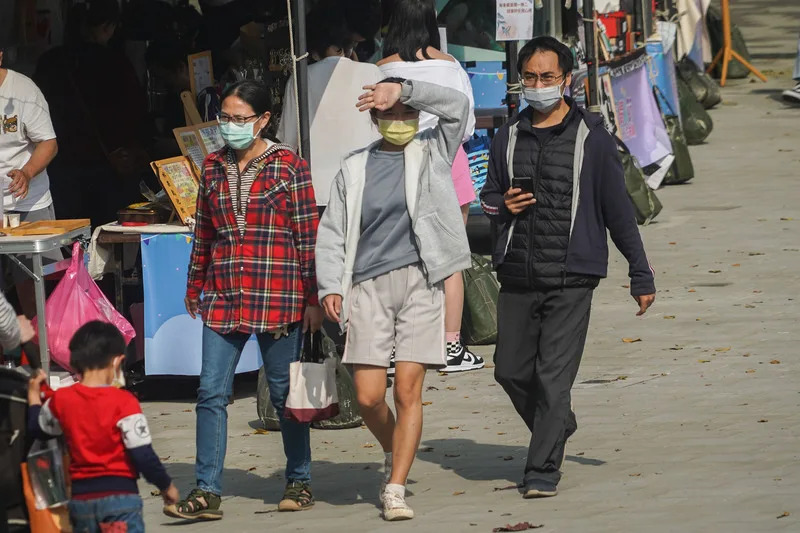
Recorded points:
(540, 340)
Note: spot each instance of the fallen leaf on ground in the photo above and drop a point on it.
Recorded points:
(501, 433)
(745, 355)
(155, 492)
(580, 454)
(787, 218)
(431, 387)
(163, 459)
(451, 388)
(368, 445)
(620, 378)
(725, 349)
(748, 306)
(736, 265)
(692, 290)
(714, 271)
(453, 427)
(755, 253)
(251, 468)
(427, 403)
(750, 371)
(635, 475)
(774, 362)
(763, 420)
(187, 410)
(669, 317)
(260, 431)
(630, 340)
(458, 493)
(677, 348)
(509, 487)
(673, 243)
(704, 360)
(784, 514)
(522, 526)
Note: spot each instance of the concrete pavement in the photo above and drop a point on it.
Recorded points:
(692, 428)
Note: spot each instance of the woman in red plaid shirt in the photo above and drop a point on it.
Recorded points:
(253, 261)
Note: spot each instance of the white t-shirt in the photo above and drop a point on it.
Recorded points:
(24, 121)
(337, 126)
(441, 72)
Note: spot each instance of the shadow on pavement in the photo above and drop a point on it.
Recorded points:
(477, 461)
(332, 483)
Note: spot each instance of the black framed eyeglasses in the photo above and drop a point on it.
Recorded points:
(222, 118)
(548, 79)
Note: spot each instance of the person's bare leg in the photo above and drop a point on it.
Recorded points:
(454, 297)
(454, 294)
(408, 430)
(370, 384)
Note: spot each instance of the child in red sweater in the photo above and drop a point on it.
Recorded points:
(106, 434)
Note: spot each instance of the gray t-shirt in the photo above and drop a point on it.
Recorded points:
(386, 242)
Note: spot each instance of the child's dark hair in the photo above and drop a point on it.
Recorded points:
(374, 112)
(94, 346)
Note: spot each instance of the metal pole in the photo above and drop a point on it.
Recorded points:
(302, 77)
(591, 53)
(647, 19)
(512, 99)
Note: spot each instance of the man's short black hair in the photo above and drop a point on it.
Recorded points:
(546, 44)
(95, 345)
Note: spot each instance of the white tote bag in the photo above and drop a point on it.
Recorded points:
(312, 384)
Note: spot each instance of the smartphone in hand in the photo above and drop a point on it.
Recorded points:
(522, 182)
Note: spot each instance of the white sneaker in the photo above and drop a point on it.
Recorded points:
(792, 95)
(395, 507)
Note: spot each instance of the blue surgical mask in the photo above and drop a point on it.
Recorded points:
(238, 136)
(543, 99)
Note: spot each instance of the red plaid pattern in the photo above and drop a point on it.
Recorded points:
(263, 279)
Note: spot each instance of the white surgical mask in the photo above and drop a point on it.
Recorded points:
(543, 99)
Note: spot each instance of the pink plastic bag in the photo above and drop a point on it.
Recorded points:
(75, 301)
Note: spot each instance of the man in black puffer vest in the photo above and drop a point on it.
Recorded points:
(555, 184)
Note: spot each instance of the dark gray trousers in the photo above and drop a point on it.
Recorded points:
(540, 339)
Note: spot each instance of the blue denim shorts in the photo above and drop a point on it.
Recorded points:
(112, 514)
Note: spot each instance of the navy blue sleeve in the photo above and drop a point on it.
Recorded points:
(619, 216)
(148, 464)
(497, 183)
(35, 431)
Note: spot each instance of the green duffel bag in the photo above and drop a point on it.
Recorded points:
(481, 291)
(735, 68)
(696, 122)
(348, 417)
(682, 169)
(646, 204)
(704, 88)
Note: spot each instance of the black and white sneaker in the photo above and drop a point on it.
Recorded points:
(459, 359)
(390, 370)
(792, 95)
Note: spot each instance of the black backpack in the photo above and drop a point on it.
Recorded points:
(14, 447)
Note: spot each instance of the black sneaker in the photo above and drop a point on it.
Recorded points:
(792, 95)
(390, 370)
(539, 489)
(459, 359)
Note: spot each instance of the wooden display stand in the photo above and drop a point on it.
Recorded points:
(727, 52)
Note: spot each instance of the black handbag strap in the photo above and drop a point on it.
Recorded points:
(312, 347)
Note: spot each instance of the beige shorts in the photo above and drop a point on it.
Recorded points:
(401, 310)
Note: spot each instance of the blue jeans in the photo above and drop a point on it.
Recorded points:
(221, 354)
(107, 514)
